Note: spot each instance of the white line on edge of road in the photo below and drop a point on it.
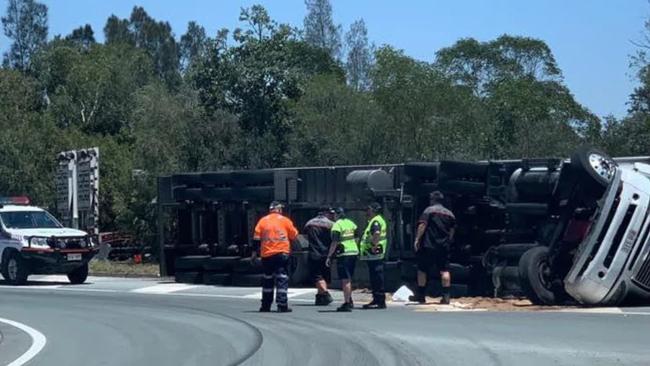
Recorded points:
(164, 288)
(38, 342)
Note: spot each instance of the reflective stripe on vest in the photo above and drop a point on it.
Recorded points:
(346, 228)
(366, 240)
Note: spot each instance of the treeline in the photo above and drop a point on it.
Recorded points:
(270, 95)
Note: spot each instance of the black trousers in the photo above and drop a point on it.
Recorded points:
(276, 273)
(376, 272)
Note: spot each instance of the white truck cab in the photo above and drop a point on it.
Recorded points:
(32, 241)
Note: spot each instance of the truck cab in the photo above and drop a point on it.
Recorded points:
(32, 241)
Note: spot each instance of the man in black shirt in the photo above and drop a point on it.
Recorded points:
(435, 234)
(320, 238)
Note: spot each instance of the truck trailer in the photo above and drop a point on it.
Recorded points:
(521, 223)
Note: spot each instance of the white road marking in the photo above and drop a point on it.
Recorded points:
(32, 287)
(38, 342)
(86, 289)
(164, 288)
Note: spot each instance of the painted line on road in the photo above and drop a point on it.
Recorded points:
(32, 287)
(87, 289)
(38, 342)
(164, 288)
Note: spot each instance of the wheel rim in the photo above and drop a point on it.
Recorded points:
(12, 269)
(602, 165)
(544, 274)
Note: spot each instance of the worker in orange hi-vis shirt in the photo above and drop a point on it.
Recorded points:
(273, 236)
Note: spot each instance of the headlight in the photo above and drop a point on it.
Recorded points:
(38, 242)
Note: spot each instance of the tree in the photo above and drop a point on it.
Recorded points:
(83, 37)
(193, 46)
(155, 38)
(335, 124)
(359, 57)
(477, 65)
(25, 24)
(117, 30)
(257, 78)
(93, 90)
(319, 28)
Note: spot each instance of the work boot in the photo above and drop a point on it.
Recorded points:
(323, 299)
(375, 305)
(265, 309)
(320, 300)
(328, 298)
(346, 307)
(445, 299)
(284, 309)
(418, 298)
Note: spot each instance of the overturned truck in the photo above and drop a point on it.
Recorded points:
(555, 230)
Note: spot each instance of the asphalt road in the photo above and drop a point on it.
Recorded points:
(141, 322)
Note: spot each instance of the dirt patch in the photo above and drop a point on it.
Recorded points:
(484, 304)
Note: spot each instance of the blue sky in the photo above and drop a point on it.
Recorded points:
(591, 39)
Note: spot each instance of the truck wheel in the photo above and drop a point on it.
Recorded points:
(79, 275)
(14, 269)
(535, 276)
(596, 168)
(299, 268)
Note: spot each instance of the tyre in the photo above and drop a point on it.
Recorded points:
(190, 262)
(512, 252)
(459, 273)
(14, 269)
(536, 277)
(222, 279)
(299, 268)
(596, 168)
(247, 280)
(193, 277)
(220, 264)
(79, 275)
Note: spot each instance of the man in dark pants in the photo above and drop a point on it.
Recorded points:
(318, 232)
(374, 243)
(273, 235)
(435, 234)
(344, 245)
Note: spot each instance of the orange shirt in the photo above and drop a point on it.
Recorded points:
(275, 232)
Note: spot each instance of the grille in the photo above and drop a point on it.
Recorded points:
(642, 276)
(68, 243)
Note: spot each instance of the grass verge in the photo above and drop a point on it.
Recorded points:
(123, 269)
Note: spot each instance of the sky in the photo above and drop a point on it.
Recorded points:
(592, 40)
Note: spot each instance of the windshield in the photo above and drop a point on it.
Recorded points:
(29, 220)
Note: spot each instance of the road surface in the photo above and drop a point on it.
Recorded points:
(146, 322)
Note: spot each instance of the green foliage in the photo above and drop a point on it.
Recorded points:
(25, 24)
(319, 28)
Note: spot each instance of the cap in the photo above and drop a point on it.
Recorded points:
(326, 210)
(276, 205)
(339, 211)
(375, 206)
(436, 196)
